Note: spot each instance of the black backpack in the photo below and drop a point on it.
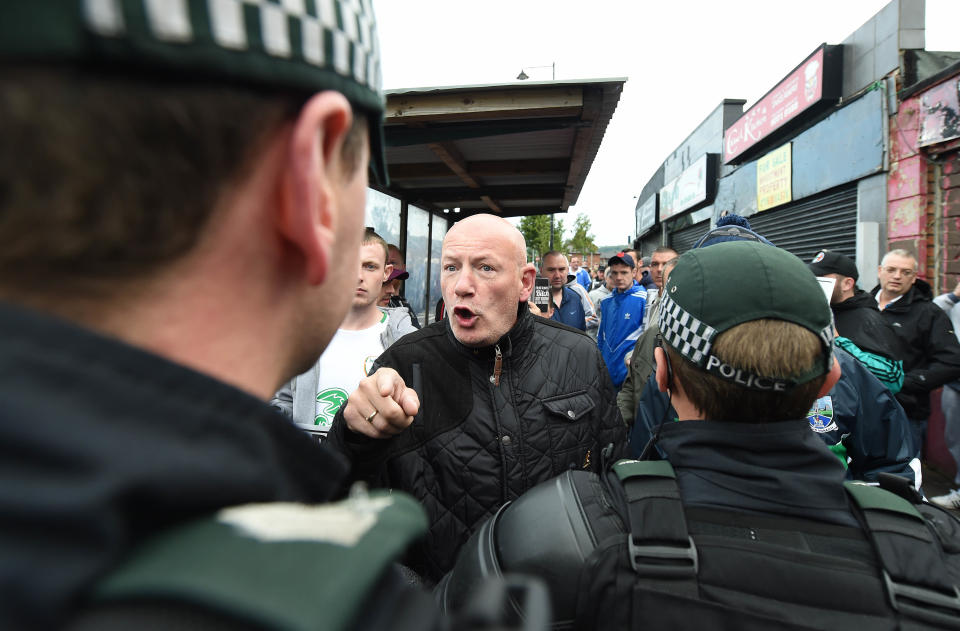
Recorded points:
(705, 569)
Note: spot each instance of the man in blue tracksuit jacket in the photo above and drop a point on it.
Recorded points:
(621, 316)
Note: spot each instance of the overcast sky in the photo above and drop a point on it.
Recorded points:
(681, 58)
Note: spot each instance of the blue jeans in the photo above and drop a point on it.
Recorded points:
(918, 431)
(950, 404)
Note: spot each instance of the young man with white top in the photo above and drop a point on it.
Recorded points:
(313, 398)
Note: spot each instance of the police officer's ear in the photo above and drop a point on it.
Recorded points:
(664, 371)
(312, 205)
(832, 378)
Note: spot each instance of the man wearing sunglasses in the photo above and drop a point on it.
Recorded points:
(932, 353)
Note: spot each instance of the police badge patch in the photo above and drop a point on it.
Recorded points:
(821, 415)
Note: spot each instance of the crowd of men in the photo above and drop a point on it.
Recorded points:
(220, 413)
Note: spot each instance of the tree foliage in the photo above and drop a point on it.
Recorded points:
(582, 240)
(536, 231)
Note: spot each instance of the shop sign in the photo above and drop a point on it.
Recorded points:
(940, 114)
(692, 187)
(813, 81)
(774, 174)
(646, 215)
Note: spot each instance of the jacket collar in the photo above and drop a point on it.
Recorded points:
(920, 292)
(781, 467)
(626, 292)
(514, 341)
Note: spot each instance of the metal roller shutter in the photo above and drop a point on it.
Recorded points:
(649, 243)
(683, 240)
(827, 221)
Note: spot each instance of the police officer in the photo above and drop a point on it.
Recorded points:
(747, 523)
(182, 188)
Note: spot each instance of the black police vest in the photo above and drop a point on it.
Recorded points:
(705, 569)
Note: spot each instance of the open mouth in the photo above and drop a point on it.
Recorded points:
(464, 316)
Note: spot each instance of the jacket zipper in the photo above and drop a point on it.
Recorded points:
(497, 366)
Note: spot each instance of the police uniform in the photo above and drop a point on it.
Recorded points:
(744, 525)
(137, 492)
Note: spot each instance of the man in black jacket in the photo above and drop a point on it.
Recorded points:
(748, 507)
(855, 312)
(468, 413)
(932, 352)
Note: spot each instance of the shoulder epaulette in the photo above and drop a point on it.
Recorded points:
(283, 565)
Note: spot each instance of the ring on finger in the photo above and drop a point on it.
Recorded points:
(369, 417)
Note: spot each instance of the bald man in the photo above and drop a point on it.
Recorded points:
(470, 412)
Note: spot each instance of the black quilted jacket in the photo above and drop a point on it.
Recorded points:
(475, 445)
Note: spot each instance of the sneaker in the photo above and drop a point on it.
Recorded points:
(950, 500)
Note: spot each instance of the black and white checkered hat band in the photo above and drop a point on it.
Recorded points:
(693, 338)
(688, 335)
(826, 336)
(339, 35)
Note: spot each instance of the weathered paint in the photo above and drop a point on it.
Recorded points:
(951, 203)
(908, 119)
(915, 244)
(908, 177)
(940, 114)
(905, 218)
(898, 148)
(951, 166)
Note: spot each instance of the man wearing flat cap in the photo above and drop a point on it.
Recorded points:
(621, 316)
(390, 293)
(394, 285)
(183, 188)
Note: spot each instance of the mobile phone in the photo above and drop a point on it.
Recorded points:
(541, 293)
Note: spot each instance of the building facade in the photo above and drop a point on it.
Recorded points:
(856, 149)
(809, 163)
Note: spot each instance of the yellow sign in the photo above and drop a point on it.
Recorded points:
(774, 172)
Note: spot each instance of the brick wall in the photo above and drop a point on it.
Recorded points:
(950, 199)
(909, 202)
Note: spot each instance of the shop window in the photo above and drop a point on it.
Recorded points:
(383, 215)
(440, 226)
(418, 251)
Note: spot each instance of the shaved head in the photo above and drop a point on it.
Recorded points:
(493, 226)
(484, 276)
